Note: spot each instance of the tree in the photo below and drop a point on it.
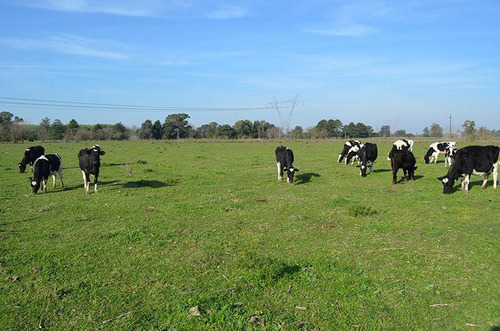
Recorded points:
(157, 130)
(243, 128)
(297, 133)
(44, 131)
(385, 131)
(259, 129)
(436, 130)
(20, 131)
(119, 132)
(225, 132)
(469, 130)
(484, 134)
(57, 130)
(71, 129)
(207, 130)
(146, 130)
(400, 133)
(6, 126)
(331, 128)
(426, 132)
(176, 126)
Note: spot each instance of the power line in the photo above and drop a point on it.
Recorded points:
(91, 106)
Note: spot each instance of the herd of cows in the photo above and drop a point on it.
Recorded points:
(463, 162)
(45, 165)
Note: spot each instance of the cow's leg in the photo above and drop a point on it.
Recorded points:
(495, 174)
(61, 176)
(280, 171)
(465, 184)
(485, 181)
(95, 182)
(86, 182)
(372, 167)
(394, 176)
(54, 180)
(44, 184)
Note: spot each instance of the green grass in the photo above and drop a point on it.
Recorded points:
(182, 224)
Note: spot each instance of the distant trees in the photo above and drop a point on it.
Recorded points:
(385, 131)
(435, 131)
(176, 126)
(469, 130)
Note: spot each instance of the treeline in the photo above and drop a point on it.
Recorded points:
(176, 126)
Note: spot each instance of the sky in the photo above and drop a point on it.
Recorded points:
(406, 64)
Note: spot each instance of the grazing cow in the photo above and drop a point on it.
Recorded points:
(90, 162)
(284, 162)
(437, 148)
(43, 167)
(403, 159)
(30, 155)
(400, 145)
(347, 148)
(449, 154)
(367, 155)
(472, 160)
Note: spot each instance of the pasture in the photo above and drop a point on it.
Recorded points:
(203, 224)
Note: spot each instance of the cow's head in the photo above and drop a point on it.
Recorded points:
(95, 154)
(290, 173)
(447, 184)
(35, 185)
(22, 166)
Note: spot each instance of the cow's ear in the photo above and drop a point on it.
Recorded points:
(440, 178)
(102, 152)
(295, 169)
(285, 169)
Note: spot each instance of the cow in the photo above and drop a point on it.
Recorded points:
(367, 155)
(400, 145)
(437, 148)
(449, 154)
(472, 160)
(43, 167)
(347, 147)
(284, 162)
(403, 159)
(90, 162)
(30, 155)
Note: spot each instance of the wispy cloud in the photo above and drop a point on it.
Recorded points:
(147, 8)
(67, 44)
(228, 13)
(352, 30)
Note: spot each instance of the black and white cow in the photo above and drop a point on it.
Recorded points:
(367, 156)
(403, 159)
(472, 160)
(449, 155)
(284, 162)
(30, 155)
(90, 162)
(347, 148)
(437, 148)
(43, 167)
(400, 145)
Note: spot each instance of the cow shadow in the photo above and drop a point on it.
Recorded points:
(146, 183)
(306, 177)
(382, 170)
(477, 183)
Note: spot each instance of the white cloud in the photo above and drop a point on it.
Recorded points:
(352, 30)
(144, 8)
(67, 45)
(228, 13)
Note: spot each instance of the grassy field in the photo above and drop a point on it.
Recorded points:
(178, 225)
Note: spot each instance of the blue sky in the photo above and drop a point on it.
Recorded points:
(403, 63)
